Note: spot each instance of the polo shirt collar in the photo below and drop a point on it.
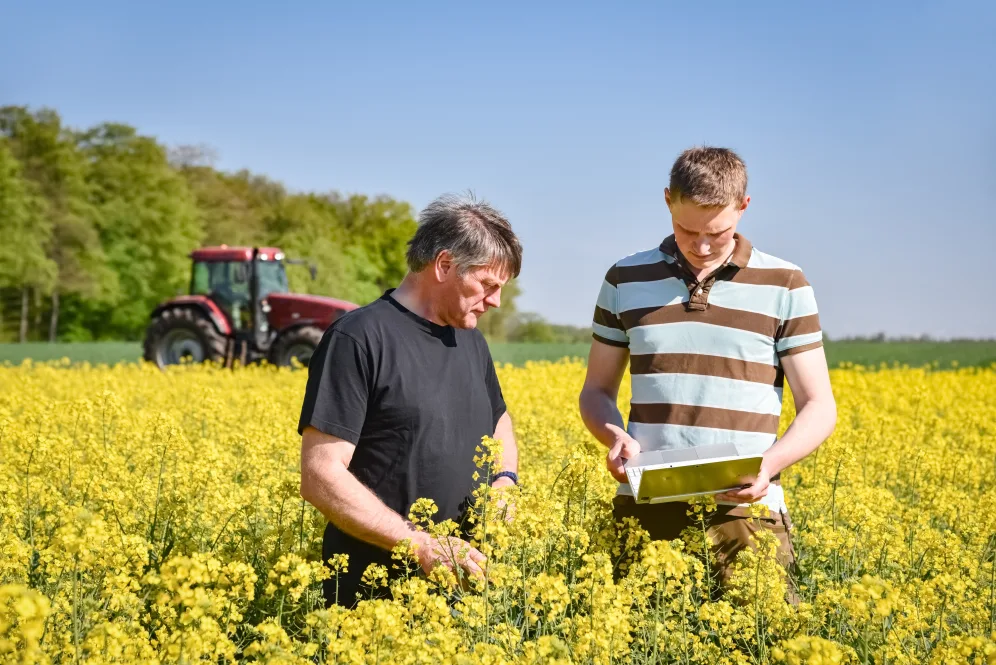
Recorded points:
(741, 255)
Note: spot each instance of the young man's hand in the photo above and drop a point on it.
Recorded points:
(757, 490)
(448, 551)
(622, 449)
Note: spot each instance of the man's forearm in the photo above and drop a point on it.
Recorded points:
(811, 427)
(509, 451)
(355, 510)
(599, 409)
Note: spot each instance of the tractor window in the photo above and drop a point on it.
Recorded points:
(227, 283)
(200, 285)
(272, 278)
(228, 278)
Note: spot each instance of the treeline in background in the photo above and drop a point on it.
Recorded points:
(96, 227)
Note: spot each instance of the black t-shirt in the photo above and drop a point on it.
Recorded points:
(415, 398)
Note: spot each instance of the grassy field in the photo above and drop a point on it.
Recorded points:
(915, 354)
(92, 352)
(945, 354)
(115, 352)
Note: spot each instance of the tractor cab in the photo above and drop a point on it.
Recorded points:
(239, 280)
(240, 307)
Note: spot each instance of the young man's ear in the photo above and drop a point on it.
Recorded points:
(667, 197)
(746, 202)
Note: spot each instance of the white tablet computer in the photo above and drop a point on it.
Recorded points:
(658, 476)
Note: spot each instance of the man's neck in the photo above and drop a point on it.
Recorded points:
(413, 297)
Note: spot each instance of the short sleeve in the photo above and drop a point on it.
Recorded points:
(799, 329)
(606, 325)
(498, 407)
(335, 399)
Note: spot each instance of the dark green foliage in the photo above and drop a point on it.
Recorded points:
(98, 225)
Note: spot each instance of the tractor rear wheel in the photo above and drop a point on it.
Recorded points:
(182, 334)
(298, 343)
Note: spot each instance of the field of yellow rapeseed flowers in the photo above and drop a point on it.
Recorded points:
(151, 517)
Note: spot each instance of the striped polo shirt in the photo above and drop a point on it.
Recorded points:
(705, 356)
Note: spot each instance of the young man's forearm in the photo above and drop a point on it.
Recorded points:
(599, 409)
(812, 425)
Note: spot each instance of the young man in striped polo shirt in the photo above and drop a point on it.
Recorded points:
(711, 327)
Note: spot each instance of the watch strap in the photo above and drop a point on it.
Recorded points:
(506, 474)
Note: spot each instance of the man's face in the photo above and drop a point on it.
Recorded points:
(464, 298)
(705, 235)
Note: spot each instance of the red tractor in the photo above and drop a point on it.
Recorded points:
(239, 308)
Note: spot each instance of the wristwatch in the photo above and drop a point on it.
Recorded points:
(506, 474)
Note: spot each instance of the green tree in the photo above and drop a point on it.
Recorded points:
(233, 208)
(380, 228)
(532, 328)
(25, 230)
(309, 227)
(123, 213)
(147, 221)
(357, 244)
(52, 161)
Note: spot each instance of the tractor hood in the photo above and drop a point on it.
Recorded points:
(289, 309)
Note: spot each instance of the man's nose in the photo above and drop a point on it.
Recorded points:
(701, 246)
(494, 300)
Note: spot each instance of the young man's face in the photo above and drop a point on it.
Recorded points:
(464, 298)
(704, 235)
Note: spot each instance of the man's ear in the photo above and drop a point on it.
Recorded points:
(746, 202)
(667, 197)
(443, 266)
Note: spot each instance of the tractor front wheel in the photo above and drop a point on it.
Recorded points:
(182, 334)
(298, 343)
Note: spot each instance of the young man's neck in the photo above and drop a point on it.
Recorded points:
(702, 273)
(415, 297)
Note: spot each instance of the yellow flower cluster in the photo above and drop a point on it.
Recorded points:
(150, 517)
(806, 650)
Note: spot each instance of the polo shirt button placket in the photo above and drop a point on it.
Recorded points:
(697, 298)
(701, 295)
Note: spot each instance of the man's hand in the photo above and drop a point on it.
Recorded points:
(505, 504)
(623, 448)
(757, 490)
(447, 551)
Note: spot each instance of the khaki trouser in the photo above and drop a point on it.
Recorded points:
(729, 529)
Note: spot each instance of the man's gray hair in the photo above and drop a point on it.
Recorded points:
(473, 232)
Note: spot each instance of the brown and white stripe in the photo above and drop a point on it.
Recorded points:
(705, 358)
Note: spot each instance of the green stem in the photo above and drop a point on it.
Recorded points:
(992, 593)
(76, 618)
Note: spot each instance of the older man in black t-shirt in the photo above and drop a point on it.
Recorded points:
(400, 393)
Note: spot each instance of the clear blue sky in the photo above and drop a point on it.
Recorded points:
(869, 130)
